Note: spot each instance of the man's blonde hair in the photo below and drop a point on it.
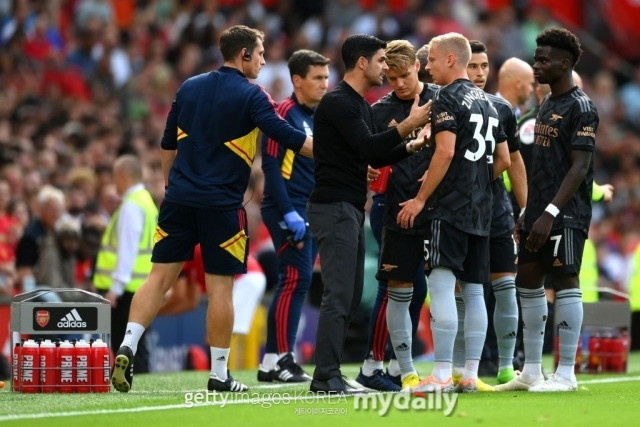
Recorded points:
(454, 43)
(400, 55)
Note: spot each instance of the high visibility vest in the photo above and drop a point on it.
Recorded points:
(107, 256)
(634, 281)
(589, 273)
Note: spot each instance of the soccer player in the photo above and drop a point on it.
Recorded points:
(215, 120)
(288, 183)
(502, 256)
(457, 197)
(554, 227)
(402, 285)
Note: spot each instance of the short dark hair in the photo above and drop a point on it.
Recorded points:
(238, 37)
(563, 39)
(477, 46)
(359, 45)
(301, 60)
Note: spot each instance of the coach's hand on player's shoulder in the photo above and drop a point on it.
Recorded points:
(539, 232)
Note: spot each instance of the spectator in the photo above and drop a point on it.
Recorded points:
(51, 207)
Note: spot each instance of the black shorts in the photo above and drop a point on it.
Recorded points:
(223, 237)
(561, 254)
(400, 256)
(503, 253)
(467, 255)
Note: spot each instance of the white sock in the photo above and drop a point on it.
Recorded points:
(442, 371)
(393, 368)
(132, 336)
(531, 371)
(219, 359)
(565, 371)
(470, 369)
(269, 361)
(370, 365)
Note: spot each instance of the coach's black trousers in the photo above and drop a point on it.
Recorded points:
(339, 231)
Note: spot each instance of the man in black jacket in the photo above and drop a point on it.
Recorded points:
(346, 142)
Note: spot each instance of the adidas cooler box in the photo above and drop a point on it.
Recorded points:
(60, 341)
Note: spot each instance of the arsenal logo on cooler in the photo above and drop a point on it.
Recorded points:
(42, 317)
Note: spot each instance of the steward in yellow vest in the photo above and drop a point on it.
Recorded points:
(124, 258)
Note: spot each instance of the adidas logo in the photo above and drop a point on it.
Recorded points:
(557, 263)
(564, 325)
(511, 334)
(128, 332)
(392, 123)
(402, 347)
(221, 358)
(72, 320)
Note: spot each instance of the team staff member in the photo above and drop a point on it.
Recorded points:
(214, 120)
(554, 226)
(288, 183)
(124, 258)
(346, 141)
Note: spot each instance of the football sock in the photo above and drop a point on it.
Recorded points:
(370, 365)
(132, 336)
(399, 325)
(393, 368)
(475, 322)
(444, 319)
(505, 319)
(269, 361)
(534, 318)
(219, 359)
(458, 344)
(569, 320)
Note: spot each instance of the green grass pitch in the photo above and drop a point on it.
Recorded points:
(170, 399)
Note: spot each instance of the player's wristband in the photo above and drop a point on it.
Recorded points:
(522, 211)
(552, 209)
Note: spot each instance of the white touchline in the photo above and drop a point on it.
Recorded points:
(11, 417)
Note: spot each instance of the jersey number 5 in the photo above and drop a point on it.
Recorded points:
(482, 141)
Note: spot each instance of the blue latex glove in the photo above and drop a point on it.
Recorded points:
(296, 224)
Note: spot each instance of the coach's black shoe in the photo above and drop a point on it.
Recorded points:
(217, 384)
(335, 385)
(122, 373)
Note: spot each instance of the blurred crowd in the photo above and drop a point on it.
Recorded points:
(84, 81)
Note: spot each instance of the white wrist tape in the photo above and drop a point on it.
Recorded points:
(552, 209)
